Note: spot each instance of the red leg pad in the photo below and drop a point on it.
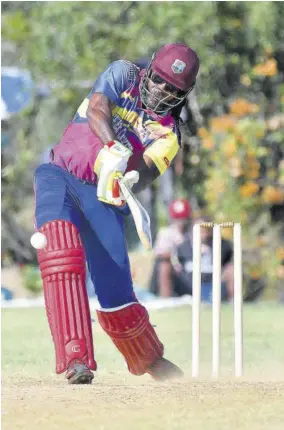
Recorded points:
(133, 335)
(63, 271)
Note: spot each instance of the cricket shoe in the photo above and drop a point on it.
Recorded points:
(163, 370)
(79, 373)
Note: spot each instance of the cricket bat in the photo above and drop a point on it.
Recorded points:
(140, 216)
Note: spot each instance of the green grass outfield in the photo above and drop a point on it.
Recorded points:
(33, 397)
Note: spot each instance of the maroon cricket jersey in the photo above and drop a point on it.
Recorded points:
(138, 129)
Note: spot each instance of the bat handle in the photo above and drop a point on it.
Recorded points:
(116, 188)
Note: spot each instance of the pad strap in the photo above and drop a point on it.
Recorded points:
(133, 335)
(63, 271)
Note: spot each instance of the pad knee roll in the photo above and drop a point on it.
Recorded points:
(63, 271)
(133, 335)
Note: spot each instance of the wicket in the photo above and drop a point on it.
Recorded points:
(216, 297)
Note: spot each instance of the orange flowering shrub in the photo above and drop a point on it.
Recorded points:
(203, 133)
(249, 189)
(208, 143)
(240, 170)
(233, 188)
(241, 107)
(229, 147)
(207, 139)
(269, 68)
(222, 123)
(272, 195)
(280, 253)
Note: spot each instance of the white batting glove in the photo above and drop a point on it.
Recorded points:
(110, 165)
(130, 178)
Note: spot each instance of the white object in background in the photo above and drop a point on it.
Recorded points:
(216, 300)
(38, 240)
(216, 297)
(238, 300)
(196, 299)
(4, 111)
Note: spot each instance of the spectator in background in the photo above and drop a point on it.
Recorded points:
(172, 273)
(164, 281)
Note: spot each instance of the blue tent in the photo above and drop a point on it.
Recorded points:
(17, 89)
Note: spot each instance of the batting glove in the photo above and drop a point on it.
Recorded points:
(110, 165)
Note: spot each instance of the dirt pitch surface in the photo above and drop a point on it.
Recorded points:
(115, 404)
(34, 398)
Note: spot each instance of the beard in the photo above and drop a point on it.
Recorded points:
(154, 101)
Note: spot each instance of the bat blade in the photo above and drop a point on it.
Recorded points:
(140, 216)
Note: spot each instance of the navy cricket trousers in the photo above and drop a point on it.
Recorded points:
(61, 196)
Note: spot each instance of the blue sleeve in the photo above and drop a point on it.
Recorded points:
(114, 80)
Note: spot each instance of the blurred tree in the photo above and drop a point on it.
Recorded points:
(239, 94)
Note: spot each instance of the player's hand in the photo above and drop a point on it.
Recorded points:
(110, 165)
(129, 179)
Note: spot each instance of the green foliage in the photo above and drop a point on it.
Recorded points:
(31, 279)
(236, 187)
(240, 45)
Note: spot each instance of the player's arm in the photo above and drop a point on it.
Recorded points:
(104, 95)
(148, 172)
(100, 118)
(163, 250)
(111, 161)
(165, 287)
(156, 160)
(112, 158)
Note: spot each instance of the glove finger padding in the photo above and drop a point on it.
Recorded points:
(130, 178)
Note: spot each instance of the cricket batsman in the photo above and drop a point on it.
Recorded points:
(128, 123)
